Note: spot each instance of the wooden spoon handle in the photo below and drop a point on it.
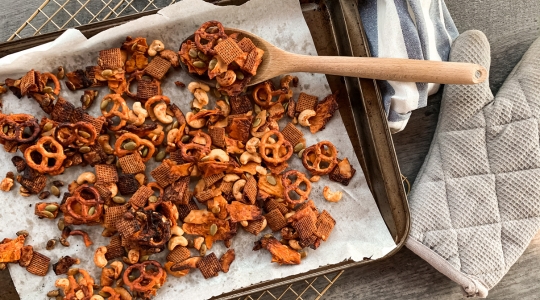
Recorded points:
(395, 69)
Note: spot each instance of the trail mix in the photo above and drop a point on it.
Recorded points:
(235, 155)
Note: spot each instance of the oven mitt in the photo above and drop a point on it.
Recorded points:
(475, 205)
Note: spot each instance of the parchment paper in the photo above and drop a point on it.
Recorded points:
(360, 230)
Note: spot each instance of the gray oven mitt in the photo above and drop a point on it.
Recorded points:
(475, 205)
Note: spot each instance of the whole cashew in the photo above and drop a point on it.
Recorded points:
(252, 146)
(99, 257)
(237, 188)
(176, 230)
(160, 111)
(198, 123)
(192, 86)
(155, 47)
(86, 177)
(117, 266)
(224, 107)
(103, 141)
(247, 157)
(303, 118)
(171, 136)
(217, 154)
(331, 196)
(177, 241)
(201, 98)
(137, 115)
(261, 170)
(124, 294)
(231, 178)
(62, 283)
(222, 123)
(294, 244)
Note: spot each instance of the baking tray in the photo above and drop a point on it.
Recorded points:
(337, 29)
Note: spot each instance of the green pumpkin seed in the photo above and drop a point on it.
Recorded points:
(300, 153)
(271, 179)
(193, 52)
(299, 147)
(118, 200)
(303, 254)
(216, 210)
(48, 126)
(55, 191)
(202, 56)
(257, 122)
(107, 295)
(203, 249)
(104, 104)
(6, 128)
(239, 75)
(22, 232)
(212, 64)
(213, 229)
(256, 109)
(218, 85)
(84, 134)
(175, 125)
(144, 258)
(199, 64)
(212, 29)
(285, 106)
(51, 208)
(47, 214)
(144, 152)
(130, 146)
(106, 73)
(53, 293)
(85, 149)
(161, 155)
(48, 90)
(185, 139)
(61, 224)
(226, 98)
(27, 131)
(152, 199)
(92, 211)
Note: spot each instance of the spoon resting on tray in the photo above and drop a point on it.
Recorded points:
(277, 62)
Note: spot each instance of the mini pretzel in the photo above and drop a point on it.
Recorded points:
(264, 92)
(280, 146)
(314, 155)
(147, 279)
(16, 125)
(193, 152)
(67, 133)
(211, 38)
(121, 152)
(290, 186)
(119, 109)
(55, 152)
(45, 77)
(78, 207)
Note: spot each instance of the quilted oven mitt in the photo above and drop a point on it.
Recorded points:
(475, 205)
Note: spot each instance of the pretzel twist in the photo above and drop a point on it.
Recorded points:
(55, 152)
(264, 93)
(281, 150)
(193, 152)
(290, 186)
(67, 134)
(12, 128)
(78, 207)
(119, 109)
(120, 152)
(211, 38)
(314, 155)
(147, 279)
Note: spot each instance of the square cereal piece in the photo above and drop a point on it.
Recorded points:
(176, 192)
(104, 191)
(253, 61)
(305, 227)
(272, 204)
(185, 209)
(141, 196)
(292, 134)
(90, 75)
(217, 134)
(228, 50)
(146, 89)
(275, 220)
(132, 163)
(113, 214)
(240, 104)
(106, 174)
(127, 184)
(162, 174)
(110, 59)
(62, 110)
(176, 156)
(325, 224)
(226, 187)
(178, 254)
(29, 83)
(35, 184)
(255, 227)
(209, 266)
(114, 249)
(306, 101)
(246, 45)
(205, 195)
(96, 122)
(342, 176)
(126, 228)
(157, 68)
(39, 264)
(211, 180)
(250, 190)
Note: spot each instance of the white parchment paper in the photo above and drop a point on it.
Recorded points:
(360, 230)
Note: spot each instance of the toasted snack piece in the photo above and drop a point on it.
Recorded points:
(268, 189)
(246, 45)
(113, 214)
(30, 83)
(162, 174)
(89, 75)
(255, 227)
(325, 224)
(321, 158)
(239, 128)
(158, 67)
(243, 212)
(292, 134)
(115, 249)
(331, 196)
(140, 197)
(228, 50)
(39, 265)
(178, 254)
(147, 89)
(27, 252)
(178, 192)
(276, 220)
(62, 110)
(250, 190)
(190, 263)
(63, 265)
(253, 60)
(272, 204)
(226, 260)
(281, 254)
(110, 59)
(132, 163)
(217, 134)
(205, 195)
(305, 227)
(10, 250)
(343, 172)
(325, 110)
(240, 104)
(209, 266)
(106, 174)
(306, 101)
(185, 209)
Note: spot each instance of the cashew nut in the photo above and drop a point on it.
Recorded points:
(171, 136)
(137, 115)
(160, 111)
(303, 118)
(176, 230)
(252, 146)
(99, 257)
(96, 297)
(231, 178)
(86, 177)
(217, 154)
(155, 47)
(177, 241)
(62, 283)
(133, 256)
(247, 157)
(261, 170)
(192, 86)
(294, 244)
(124, 294)
(113, 189)
(103, 141)
(199, 187)
(197, 242)
(222, 123)
(197, 123)
(201, 98)
(224, 107)
(227, 78)
(141, 178)
(331, 196)
(237, 189)
(117, 266)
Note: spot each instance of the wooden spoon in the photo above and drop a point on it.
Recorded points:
(278, 62)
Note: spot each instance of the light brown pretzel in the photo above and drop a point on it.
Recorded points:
(211, 37)
(193, 151)
(314, 155)
(77, 207)
(290, 186)
(119, 109)
(12, 128)
(281, 150)
(67, 134)
(121, 152)
(148, 279)
(45, 77)
(264, 93)
(54, 152)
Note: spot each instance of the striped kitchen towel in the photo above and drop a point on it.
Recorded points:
(416, 29)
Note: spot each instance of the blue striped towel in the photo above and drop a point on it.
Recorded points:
(416, 29)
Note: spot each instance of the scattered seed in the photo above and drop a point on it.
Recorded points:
(105, 294)
(47, 214)
(84, 134)
(61, 225)
(6, 128)
(226, 98)
(161, 155)
(168, 128)
(48, 90)
(61, 73)
(119, 200)
(239, 75)
(84, 149)
(213, 229)
(203, 249)
(106, 73)
(190, 243)
(303, 254)
(216, 93)
(48, 126)
(130, 146)
(22, 232)
(185, 138)
(216, 210)
(144, 258)
(256, 109)
(202, 56)
(152, 199)
(132, 277)
(91, 211)
(24, 191)
(3, 266)
(257, 122)
(300, 153)
(50, 244)
(51, 208)
(299, 147)
(53, 293)
(212, 64)
(199, 64)
(271, 179)
(193, 52)
(218, 85)
(104, 104)
(175, 124)
(212, 29)
(58, 183)
(286, 106)
(64, 242)
(55, 191)
(44, 195)
(144, 152)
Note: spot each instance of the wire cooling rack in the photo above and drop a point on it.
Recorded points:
(55, 15)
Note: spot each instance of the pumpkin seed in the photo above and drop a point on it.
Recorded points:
(50, 244)
(202, 251)
(223, 93)
(48, 90)
(202, 56)
(239, 75)
(84, 134)
(300, 153)
(144, 258)
(257, 122)
(64, 242)
(105, 294)
(193, 52)
(216, 93)
(212, 29)
(152, 199)
(61, 73)
(271, 179)
(285, 106)
(132, 277)
(61, 225)
(161, 155)
(58, 183)
(106, 73)
(51, 208)
(48, 126)
(27, 131)
(6, 128)
(22, 232)
(213, 229)
(175, 125)
(92, 211)
(85, 149)
(53, 293)
(218, 85)
(299, 147)
(199, 64)
(130, 146)
(144, 152)
(303, 254)
(119, 200)
(212, 64)
(104, 104)
(47, 214)
(168, 128)
(55, 191)
(216, 210)
(256, 109)
(185, 138)
(226, 97)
